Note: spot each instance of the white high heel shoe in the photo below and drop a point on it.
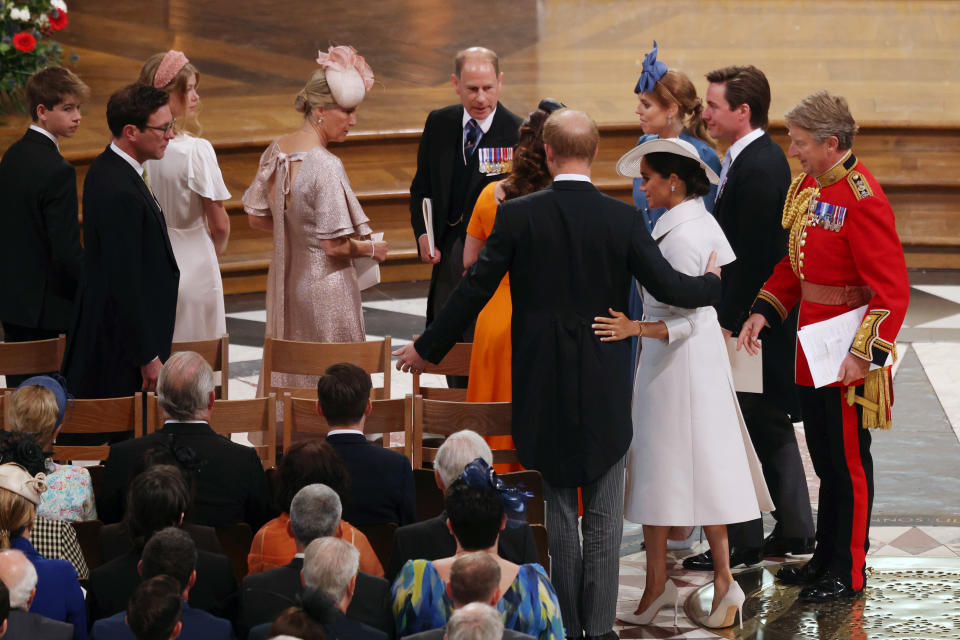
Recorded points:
(670, 596)
(729, 609)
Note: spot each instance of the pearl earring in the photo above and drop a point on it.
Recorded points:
(673, 188)
(319, 120)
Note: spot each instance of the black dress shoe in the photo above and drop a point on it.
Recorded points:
(828, 588)
(777, 547)
(801, 575)
(704, 561)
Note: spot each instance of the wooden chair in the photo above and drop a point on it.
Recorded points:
(217, 353)
(542, 541)
(455, 363)
(387, 417)
(36, 356)
(256, 415)
(235, 540)
(88, 533)
(429, 496)
(532, 481)
(380, 537)
(109, 417)
(313, 358)
(446, 417)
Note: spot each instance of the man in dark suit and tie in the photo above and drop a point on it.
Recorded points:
(570, 252)
(40, 253)
(381, 481)
(753, 186)
(128, 296)
(449, 170)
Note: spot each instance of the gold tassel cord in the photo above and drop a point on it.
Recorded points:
(877, 398)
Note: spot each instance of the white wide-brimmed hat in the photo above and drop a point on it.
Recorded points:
(629, 163)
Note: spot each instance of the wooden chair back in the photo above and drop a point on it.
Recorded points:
(531, 481)
(429, 496)
(216, 353)
(542, 542)
(255, 415)
(36, 356)
(106, 417)
(380, 537)
(313, 358)
(88, 532)
(446, 417)
(387, 417)
(455, 363)
(235, 539)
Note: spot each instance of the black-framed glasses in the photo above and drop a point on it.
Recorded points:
(167, 128)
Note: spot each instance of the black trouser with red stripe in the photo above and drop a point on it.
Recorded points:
(840, 452)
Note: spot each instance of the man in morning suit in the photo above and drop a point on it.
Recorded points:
(18, 579)
(570, 252)
(123, 327)
(753, 185)
(431, 539)
(40, 253)
(170, 553)
(228, 477)
(449, 171)
(381, 481)
(314, 513)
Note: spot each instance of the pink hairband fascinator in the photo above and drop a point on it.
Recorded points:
(169, 67)
(348, 75)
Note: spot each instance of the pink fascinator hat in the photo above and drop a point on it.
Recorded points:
(348, 75)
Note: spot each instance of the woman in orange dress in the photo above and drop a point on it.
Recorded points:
(490, 360)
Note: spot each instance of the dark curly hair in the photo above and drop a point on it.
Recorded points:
(529, 160)
(23, 449)
(475, 514)
(310, 462)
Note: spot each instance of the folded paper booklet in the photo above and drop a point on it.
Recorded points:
(368, 269)
(428, 223)
(827, 343)
(747, 369)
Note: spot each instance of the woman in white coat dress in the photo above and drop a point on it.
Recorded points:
(691, 461)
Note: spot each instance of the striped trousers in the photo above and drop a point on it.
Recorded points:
(587, 577)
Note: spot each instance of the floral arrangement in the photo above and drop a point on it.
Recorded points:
(25, 44)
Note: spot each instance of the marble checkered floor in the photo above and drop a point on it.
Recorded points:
(917, 504)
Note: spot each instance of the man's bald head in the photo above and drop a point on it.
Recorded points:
(185, 386)
(476, 54)
(571, 135)
(19, 576)
(474, 577)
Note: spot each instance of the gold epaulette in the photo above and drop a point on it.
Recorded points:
(877, 398)
(861, 188)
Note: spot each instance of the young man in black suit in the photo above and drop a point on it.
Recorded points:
(381, 481)
(449, 170)
(570, 252)
(431, 539)
(128, 296)
(40, 253)
(229, 482)
(753, 186)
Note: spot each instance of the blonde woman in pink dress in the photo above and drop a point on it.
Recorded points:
(302, 195)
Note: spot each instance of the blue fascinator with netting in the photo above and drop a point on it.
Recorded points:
(479, 474)
(652, 71)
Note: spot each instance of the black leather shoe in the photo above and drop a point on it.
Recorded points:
(801, 575)
(704, 561)
(777, 547)
(826, 589)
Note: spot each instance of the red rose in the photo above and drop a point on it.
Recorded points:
(24, 41)
(58, 20)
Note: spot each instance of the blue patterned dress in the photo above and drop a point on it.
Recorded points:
(420, 602)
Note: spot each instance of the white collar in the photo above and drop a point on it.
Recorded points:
(575, 177)
(742, 143)
(185, 421)
(126, 156)
(484, 124)
(337, 432)
(299, 555)
(52, 137)
(672, 218)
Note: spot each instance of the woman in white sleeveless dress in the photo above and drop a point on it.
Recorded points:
(189, 187)
(691, 461)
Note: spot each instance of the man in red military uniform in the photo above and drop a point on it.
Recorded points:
(843, 253)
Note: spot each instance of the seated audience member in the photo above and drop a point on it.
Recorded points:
(158, 498)
(229, 479)
(54, 539)
(58, 596)
(314, 513)
(381, 481)
(38, 407)
(474, 580)
(431, 539)
(476, 514)
(306, 622)
(18, 585)
(330, 566)
(313, 462)
(476, 621)
(154, 611)
(169, 553)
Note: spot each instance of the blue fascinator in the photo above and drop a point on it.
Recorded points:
(652, 71)
(57, 385)
(479, 474)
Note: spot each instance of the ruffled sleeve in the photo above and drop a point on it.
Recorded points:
(203, 173)
(420, 601)
(273, 176)
(338, 212)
